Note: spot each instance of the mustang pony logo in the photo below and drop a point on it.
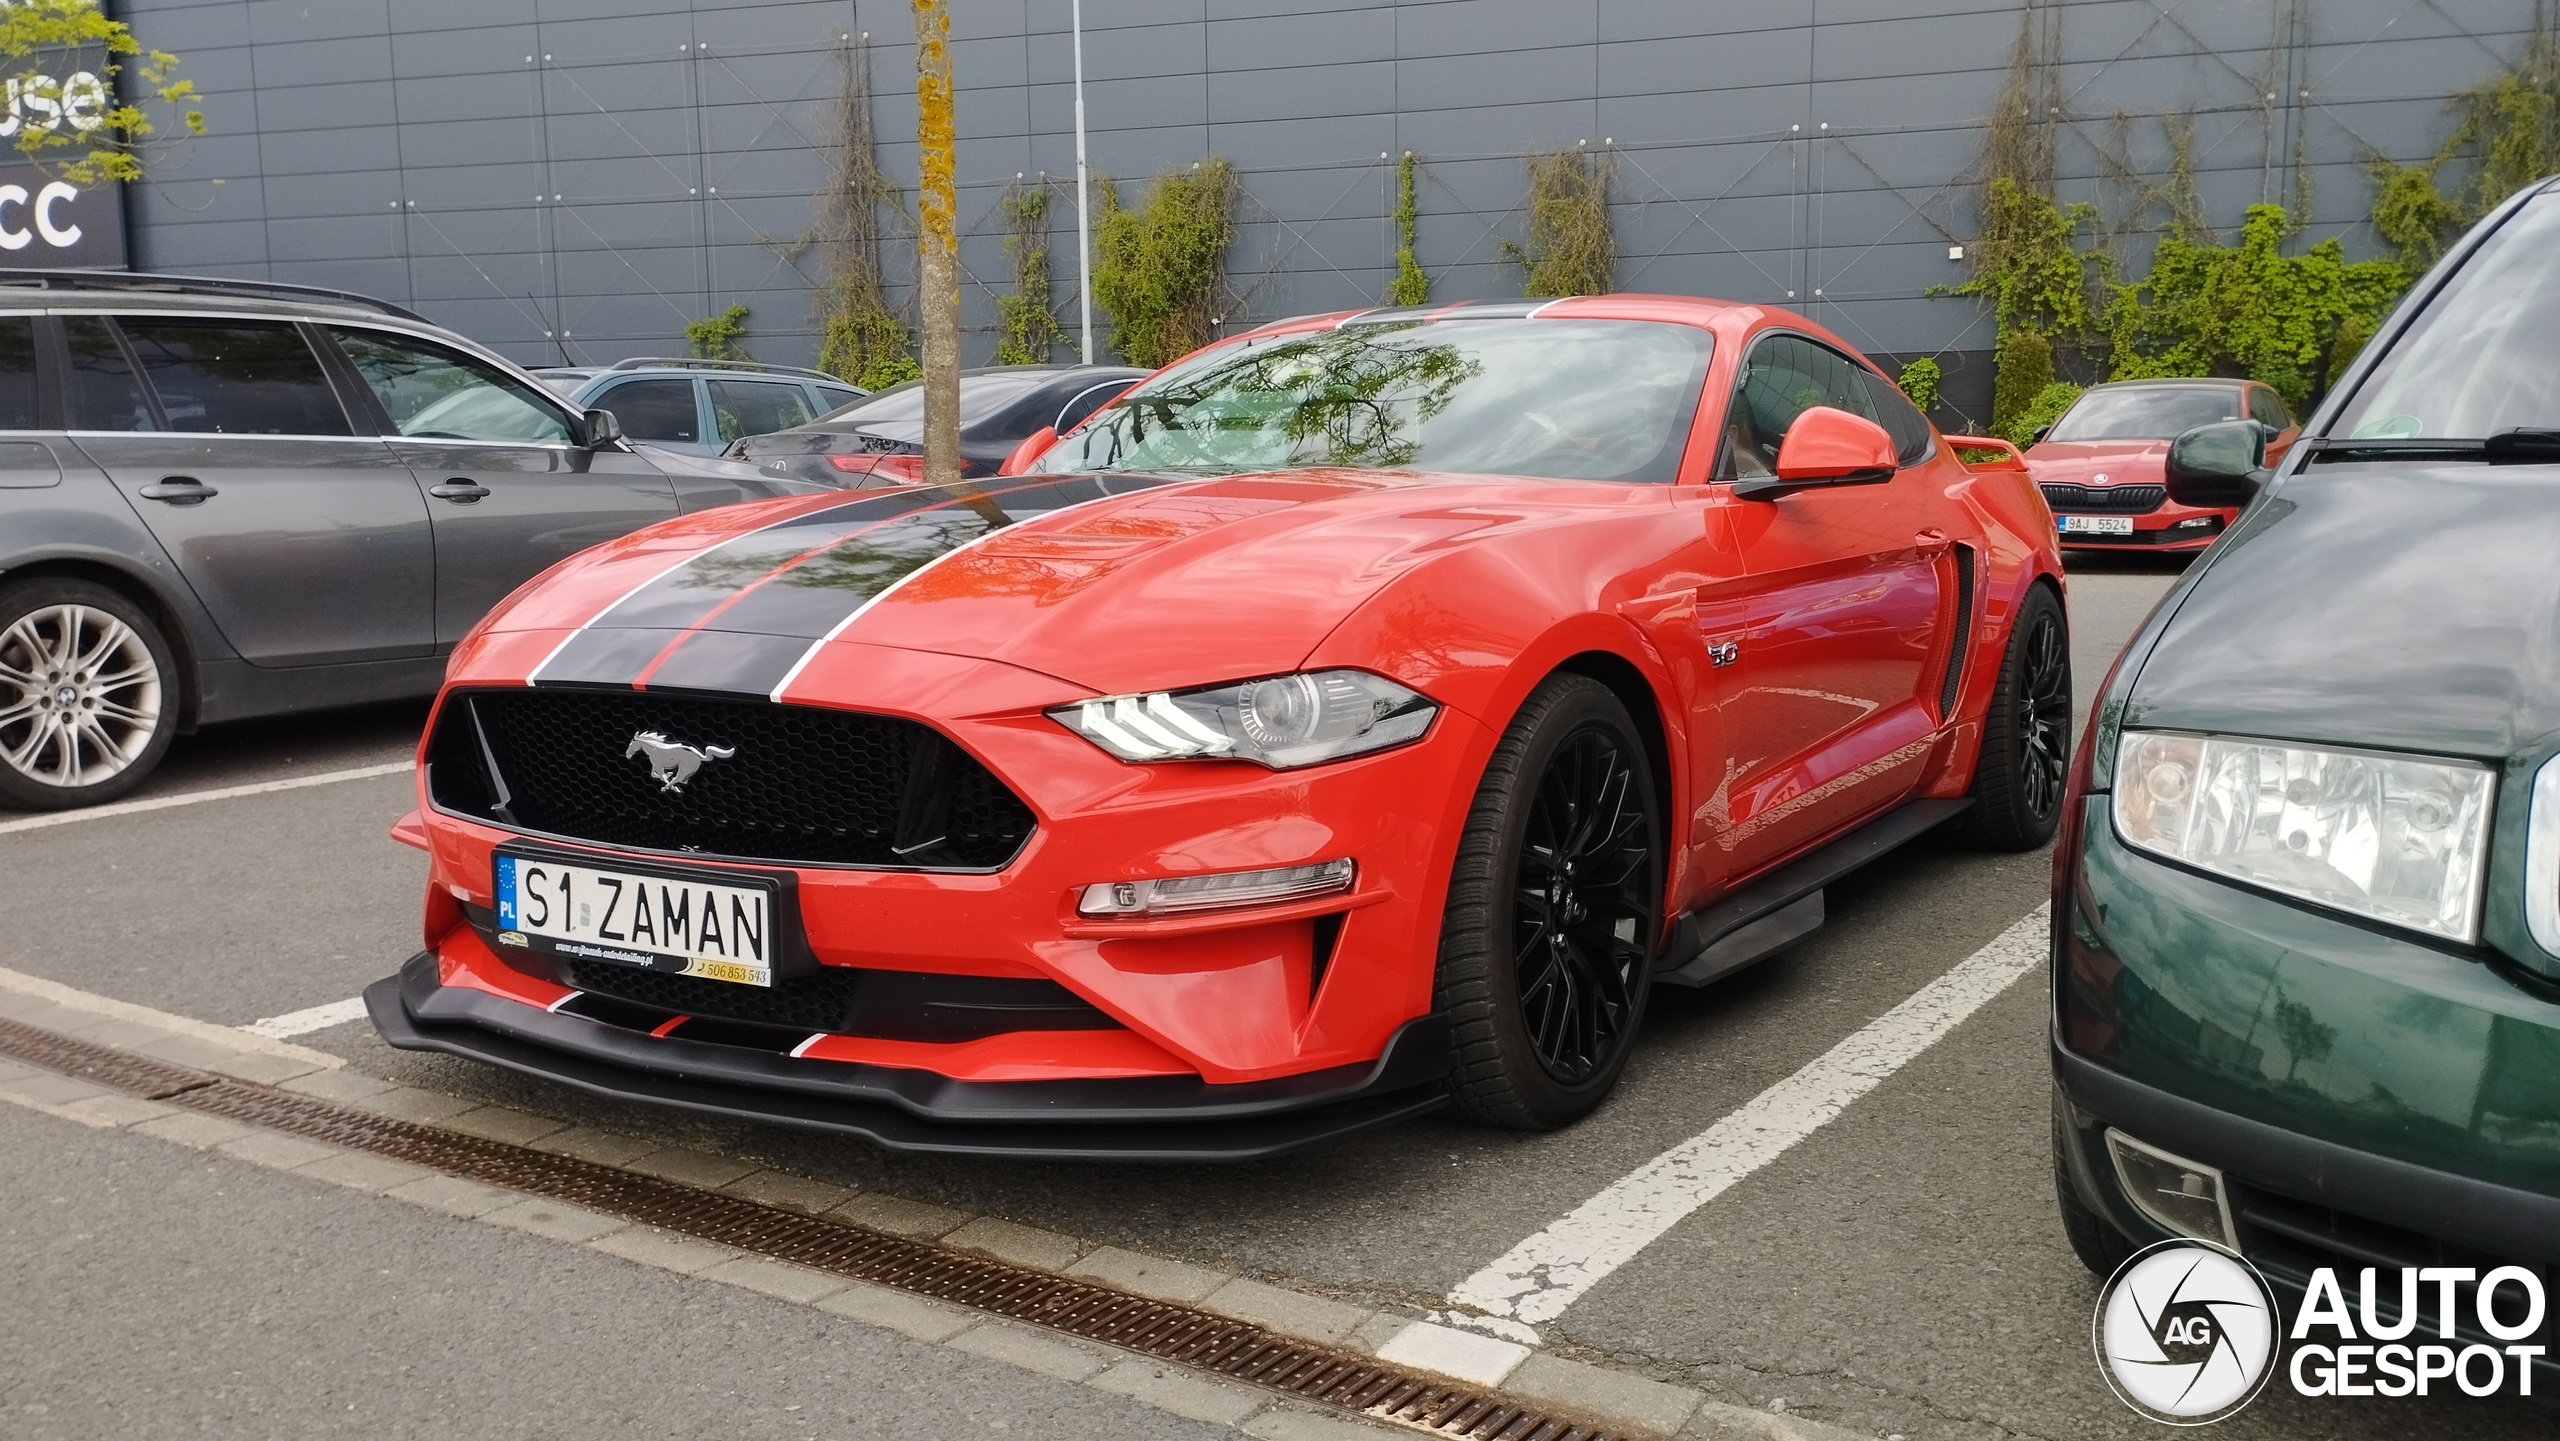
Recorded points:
(671, 763)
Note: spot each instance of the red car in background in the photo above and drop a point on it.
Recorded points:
(1353, 720)
(2102, 465)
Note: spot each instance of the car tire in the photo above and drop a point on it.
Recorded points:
(1542, 1017)
(2094, 1239)
(88, 694)
(2026, 738)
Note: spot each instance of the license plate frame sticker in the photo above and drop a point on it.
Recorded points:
(741, 927)
(2096, 524)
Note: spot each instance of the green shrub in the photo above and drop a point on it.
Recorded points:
(1411, 286)
(1159, 271)
(2022, 370)
(2044, 410)
(1919, 381)
(716, 338)
(1572, 249)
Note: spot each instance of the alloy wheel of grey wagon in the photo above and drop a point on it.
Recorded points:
(87, 694)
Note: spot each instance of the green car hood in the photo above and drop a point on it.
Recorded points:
(2397, 607)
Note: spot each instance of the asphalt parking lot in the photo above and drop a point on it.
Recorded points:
(1896, 1272)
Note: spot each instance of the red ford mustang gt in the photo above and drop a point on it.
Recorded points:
(1356, 718)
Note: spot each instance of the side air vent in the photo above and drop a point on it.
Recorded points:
(1963, 634)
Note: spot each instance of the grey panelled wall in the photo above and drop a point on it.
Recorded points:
(578, 178)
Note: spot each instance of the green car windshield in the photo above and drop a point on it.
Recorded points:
(1548, 399)
(2484, 357)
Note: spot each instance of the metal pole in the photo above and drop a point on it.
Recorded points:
(1084, 220)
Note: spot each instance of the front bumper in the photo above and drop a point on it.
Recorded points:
(2172, 527)
(2372, 1100)
(1131, 1118)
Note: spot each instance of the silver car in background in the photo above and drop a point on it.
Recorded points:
(228, 499)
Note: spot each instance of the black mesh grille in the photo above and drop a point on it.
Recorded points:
(802, 785)
(2118, 499)
(2289, 1239)
(888, 1005)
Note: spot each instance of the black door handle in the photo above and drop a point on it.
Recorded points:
(460, 492)
(179, 490)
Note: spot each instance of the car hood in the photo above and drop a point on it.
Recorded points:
(1119, 583)
(2401, 607)
(2084, 462)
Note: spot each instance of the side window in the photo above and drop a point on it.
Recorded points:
(235, 377)
(104, 393)
(1900, 418)
(433, 392)
(18, 372)
(661, 410)
(2268, 408)
(756, 407)
(1786, 376)
(1088, 401)
(832, 398)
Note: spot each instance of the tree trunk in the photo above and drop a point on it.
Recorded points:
(938, 244)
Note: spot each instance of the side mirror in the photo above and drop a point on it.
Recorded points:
(603, 431)
(2218, 466)
(1826, 447)
(1027, 454)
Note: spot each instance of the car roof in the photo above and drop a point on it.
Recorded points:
(2223, 382)
(76, 290)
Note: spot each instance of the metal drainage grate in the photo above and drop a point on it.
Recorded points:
(1163, 1330)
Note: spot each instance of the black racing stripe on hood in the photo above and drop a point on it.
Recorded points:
(754, 645)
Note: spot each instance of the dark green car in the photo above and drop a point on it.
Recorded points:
(2306, 981)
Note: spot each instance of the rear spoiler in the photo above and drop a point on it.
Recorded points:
(1980, 453)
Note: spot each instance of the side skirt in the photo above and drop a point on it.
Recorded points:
(1783, 907)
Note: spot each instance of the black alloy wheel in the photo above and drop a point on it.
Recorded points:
(2026, 737)
(1555, 908)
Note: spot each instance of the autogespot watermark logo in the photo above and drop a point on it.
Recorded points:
(2186, 1332)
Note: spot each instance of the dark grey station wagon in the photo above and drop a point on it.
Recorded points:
(222, 500)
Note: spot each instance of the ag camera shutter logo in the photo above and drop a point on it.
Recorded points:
(2186, 1332)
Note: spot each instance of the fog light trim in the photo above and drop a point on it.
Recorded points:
(2199, 1205)
(1180, 894)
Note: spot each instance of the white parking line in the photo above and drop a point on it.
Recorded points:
(1536, 1280)
(310, 1018)
(229, 1037)
(188, 798)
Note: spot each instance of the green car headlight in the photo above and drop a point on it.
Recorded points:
(2386, 837)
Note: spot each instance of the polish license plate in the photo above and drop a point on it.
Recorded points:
(729, 929)
(2096, 524)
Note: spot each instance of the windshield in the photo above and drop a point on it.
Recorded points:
(2484, 356)
(897, 413)
(1553, 399)
(2147, 412)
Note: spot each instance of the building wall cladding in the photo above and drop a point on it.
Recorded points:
(576, 179)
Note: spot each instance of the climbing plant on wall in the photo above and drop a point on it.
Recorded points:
(1159, 269)
(1411, 286)
(1571, 248)
(2508, 128)
(1029, 327)
(860, 338)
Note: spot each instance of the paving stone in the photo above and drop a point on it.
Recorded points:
(186, 1051)
(1452, 1352)
(690, 1168)
(587, 1143)
(1294, 1313)
(899, 1216)
(274, 1148)
(1032, 1350)
(1718, 1421)
(1150, 1275)
(792, 1193)
(663, 1249)
(500, 1123)
(10, 1069)
(1609, 1395)
(262, 1067)
(190, 1129)
(351, 1087)
(1287, 1423)
(1379, 1329)
(119, 1110)
(1020, 1244)
(1181, 1391)
(897, 1311)
(361, 1172)
(113, 1031)
(455, 1196)
(33, 1009)
(45, 1088)
(409, 1103)
(552, 1219)
(775, 1278)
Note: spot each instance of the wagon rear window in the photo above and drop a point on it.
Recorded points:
(1549, 399)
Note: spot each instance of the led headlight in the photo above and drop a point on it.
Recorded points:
(1281, 722)
(1213, 893)
(2383, 836)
